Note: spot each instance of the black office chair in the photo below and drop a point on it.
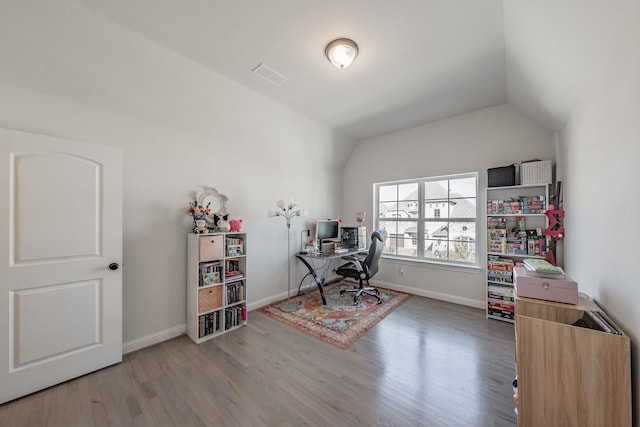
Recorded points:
(364, 269)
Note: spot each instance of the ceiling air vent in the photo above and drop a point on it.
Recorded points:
(269, 74)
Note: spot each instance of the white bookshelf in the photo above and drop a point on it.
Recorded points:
(216, 284)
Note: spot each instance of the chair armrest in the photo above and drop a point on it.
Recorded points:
(355, 260)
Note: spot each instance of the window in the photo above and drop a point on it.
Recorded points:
(430, 219)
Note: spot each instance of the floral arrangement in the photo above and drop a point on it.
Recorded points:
(197, 211)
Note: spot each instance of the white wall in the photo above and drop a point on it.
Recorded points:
(599, 154)
(69, 73)
(472, 142)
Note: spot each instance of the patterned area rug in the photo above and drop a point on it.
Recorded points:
(340, 322)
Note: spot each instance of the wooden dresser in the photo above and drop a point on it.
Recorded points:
(569, 375)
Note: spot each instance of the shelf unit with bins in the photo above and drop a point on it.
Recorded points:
(509, 208)
(216, 284)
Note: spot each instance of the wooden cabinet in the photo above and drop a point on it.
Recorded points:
(515, 216)
(569, 375)
(216, 284)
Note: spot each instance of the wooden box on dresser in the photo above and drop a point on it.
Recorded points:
(216, 284)
(569, 375)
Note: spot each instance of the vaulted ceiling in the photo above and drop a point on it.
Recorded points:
(419, 61)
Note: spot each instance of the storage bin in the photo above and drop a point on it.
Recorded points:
(558, 290)
(211, 248)
(501, 176)
(536, 172)
(209, 298)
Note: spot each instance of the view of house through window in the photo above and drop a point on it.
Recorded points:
(429, 218)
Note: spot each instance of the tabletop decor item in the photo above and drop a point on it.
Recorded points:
(199, 215)
(210, 205)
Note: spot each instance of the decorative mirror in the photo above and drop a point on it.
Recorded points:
(215, 201)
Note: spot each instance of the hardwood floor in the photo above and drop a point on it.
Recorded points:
(429, 363)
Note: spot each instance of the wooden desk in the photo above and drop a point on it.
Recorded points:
(312, 271)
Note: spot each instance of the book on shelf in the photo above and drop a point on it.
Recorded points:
(499, 312)
(500, 292)
(500, 269)
(522, 205)
(208, 323)
(235, 293)
(233, 275)
(542, 268)
(599, 321)
(232, 265)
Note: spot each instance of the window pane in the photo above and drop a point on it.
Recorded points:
(465, 230)
(436, 237)
(388, 193)
(463, 251)
(405, 203)
(386, 209)
(463, 244)
(436, 209)
(463, 187)
(402, 237)
(391, 244)
(463, 208)
(436, 190)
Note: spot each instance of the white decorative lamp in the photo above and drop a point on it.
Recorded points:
(288, 212)
(341, 52)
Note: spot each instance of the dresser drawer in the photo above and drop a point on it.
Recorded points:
(211, 248)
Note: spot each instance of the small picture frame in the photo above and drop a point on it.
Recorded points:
(235, 250)
(211, 278)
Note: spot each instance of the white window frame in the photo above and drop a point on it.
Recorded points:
(420, 219)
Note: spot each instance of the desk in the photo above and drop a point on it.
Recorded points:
(307, 260)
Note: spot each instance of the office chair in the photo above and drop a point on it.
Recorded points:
(364, 269)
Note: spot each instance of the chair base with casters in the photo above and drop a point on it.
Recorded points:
(362, 290)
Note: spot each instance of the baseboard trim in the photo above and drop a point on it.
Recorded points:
(413, 291)
(434, 295)
(167, 334)
(253, 305)
(155, 338)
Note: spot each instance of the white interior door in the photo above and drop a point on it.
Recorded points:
(60, 231)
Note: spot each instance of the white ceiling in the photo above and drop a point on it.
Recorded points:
(419, 61)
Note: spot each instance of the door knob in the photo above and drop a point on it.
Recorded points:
(113, 266)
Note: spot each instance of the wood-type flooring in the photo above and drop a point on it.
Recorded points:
(429, 363)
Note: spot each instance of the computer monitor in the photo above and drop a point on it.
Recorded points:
(327, 230)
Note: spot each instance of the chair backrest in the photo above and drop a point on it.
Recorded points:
(378, 238)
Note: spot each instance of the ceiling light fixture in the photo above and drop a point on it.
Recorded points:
(341, 52)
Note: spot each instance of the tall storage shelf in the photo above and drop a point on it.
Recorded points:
(515, 221)
(570, 375)
(216, 284)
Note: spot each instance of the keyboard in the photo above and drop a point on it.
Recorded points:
(341, 251)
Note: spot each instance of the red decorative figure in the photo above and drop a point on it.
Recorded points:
(554, 232)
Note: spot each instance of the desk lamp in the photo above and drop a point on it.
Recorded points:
(288, 212)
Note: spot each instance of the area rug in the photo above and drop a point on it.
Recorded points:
(340, 322)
